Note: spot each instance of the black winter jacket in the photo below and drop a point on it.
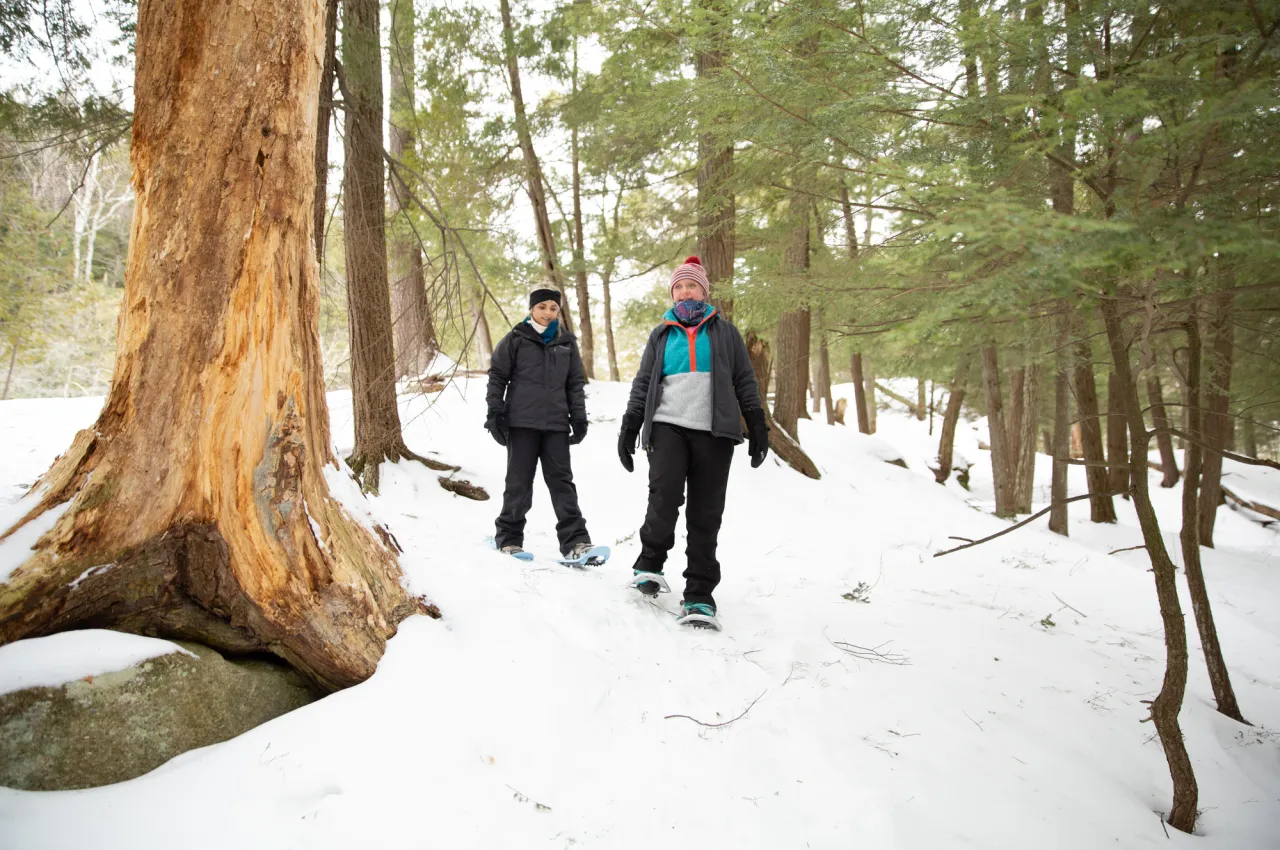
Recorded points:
(537, 385)
(734, 390)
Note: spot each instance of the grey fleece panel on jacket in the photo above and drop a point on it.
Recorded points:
(538, 385)
(733, 382)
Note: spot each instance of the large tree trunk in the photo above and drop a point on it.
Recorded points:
(320, 206)
(1101, 506)
(1190, 538)
(1164, 440)
(1025, 461)
(1061, 450)
(950, 419)
(859, 392)
(1001, 474)
(1168, 703)
(373, 367)
(793, 326)
(196, 507)
(415, 332)
(716, 211)
(1217, 424)
(586, 339)
(534, 184)
(780, 442)
(1117, 442)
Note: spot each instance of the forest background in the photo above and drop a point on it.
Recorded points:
(1058, 215)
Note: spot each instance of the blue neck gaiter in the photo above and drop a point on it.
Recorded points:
(690, 312)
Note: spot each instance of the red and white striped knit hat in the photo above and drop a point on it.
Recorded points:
(691, 269)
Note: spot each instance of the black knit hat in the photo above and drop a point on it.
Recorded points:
(540, 295)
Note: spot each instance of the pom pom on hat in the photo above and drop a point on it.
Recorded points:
(692, 270)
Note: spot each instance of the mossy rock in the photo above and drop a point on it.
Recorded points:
(117, 726)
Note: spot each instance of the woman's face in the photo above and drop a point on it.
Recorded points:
(686, 290)
(545, 312)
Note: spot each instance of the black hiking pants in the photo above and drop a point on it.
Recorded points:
(525, 448)
(678, 456)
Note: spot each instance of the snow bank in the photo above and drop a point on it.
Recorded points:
(66, 657)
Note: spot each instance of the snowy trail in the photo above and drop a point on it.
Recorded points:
(538, 712)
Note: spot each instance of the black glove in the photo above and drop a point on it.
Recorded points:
(757, 436)
(627, 438)
(496, 425)
(577, 431)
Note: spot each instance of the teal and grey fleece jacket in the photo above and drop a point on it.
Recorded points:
(697, 377)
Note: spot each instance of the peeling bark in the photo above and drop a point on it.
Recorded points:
(196, 507)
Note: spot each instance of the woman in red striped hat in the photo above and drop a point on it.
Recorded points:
(694, 388)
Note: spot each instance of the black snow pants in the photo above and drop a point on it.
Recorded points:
(525, 448)
(678, 455)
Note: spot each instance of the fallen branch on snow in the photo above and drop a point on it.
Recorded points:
(718, 725)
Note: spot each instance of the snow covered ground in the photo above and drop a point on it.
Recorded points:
(554, 708)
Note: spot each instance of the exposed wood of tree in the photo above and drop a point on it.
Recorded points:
(859, 392)
(1216, 425)
(196, 507)
(586, 339)
(1214, 661)
(378, 434)
(1117, 440)
(1101, 506)
(534, 184)
(1168, 703)
(780, 443)
(1001, 474)
(415, 332)
(1025, 468)
(950, 419)
(1164, 441)
(793, 325)
(320, 206)
(716, 207)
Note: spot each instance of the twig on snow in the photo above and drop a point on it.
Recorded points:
(717, 725)
(1127, 549)
(1077, 610)
(872, 653)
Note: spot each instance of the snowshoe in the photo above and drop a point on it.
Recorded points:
(514, 551)
(585, 555)
(649, 583)
(698, 615)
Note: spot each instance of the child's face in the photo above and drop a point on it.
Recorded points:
(686, 290)
(545, 312)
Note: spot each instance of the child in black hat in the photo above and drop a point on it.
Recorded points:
(537, 409)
